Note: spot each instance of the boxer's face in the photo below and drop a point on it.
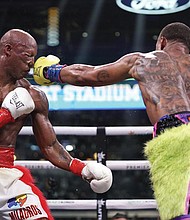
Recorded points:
(21, 59)
(25, 58)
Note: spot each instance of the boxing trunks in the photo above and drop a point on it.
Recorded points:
(170, 121)
(167, 122)
(19, 197)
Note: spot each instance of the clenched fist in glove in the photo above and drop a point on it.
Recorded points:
(15, 104)
(98, 175)
(47, 70)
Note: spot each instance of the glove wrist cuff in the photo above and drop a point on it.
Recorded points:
(76, 166)
(53, 73)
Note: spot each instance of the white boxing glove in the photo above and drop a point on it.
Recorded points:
(99, 176)
(18, 102)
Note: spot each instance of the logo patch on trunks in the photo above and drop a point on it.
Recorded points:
(17, 201)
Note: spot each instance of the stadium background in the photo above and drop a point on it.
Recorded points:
(93, 32)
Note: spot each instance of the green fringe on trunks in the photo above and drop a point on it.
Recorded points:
(169, 156)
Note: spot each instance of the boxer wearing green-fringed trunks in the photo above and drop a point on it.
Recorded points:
(163, 76)
(169, 156)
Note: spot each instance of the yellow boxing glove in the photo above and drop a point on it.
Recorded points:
(39, 65)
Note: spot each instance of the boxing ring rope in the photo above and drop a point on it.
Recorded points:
(112, 164)
(111, 204)
(101, 204)
(92, 131)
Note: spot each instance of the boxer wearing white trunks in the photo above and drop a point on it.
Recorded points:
(19, 197)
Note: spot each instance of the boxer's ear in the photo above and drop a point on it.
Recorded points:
(163, 42)
(7, 49)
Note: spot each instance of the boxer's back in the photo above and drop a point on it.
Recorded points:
(164, 83)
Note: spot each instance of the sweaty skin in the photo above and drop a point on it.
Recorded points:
(163, 77)
(17, 52)
(16, 59)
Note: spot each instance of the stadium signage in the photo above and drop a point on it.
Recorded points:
(153, 6)
(118, 96)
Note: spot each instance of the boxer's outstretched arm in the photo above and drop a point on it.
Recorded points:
(98, 175)
(87, 75)
(84, 75)
(45, 134)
